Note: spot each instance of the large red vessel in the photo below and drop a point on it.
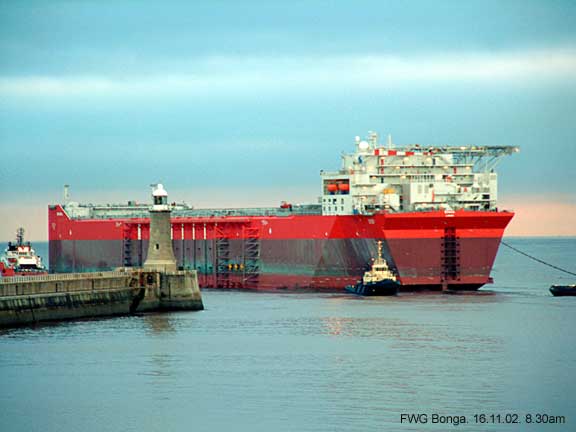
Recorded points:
(433, 209)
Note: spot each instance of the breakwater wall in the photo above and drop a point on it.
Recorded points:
(30, 299)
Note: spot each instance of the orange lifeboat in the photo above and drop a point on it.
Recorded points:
(332, 187)
(344, 187)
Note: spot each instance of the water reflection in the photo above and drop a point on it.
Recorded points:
(160, 365)
(261, 362)
(159, 323)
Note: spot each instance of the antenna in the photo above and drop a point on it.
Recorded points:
(66, 193)
(20, 236)
(373, 137)
(390, 145)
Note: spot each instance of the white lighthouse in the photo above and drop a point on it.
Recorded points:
(160, 253)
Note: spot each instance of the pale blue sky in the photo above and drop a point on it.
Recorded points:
(255, 97)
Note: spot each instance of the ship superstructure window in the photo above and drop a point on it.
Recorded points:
(157, 246)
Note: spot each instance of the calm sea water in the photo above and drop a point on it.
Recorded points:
(308, 362)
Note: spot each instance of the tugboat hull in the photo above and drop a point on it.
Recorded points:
(382, 288)
(563, 290)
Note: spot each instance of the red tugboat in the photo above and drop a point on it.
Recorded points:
(20, 259)
(434, 208)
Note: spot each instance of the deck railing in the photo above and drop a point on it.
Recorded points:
(124, 213)
(61, 277)
(63, 283)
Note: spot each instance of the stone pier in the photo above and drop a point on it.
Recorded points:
(159, 286)
(31, 299)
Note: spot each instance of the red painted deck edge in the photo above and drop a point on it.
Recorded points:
(386, 226)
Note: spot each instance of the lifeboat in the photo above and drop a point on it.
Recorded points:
(344, 187)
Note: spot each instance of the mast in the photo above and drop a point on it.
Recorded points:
(20, 236)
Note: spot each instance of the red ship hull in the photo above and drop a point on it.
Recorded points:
(428, 250)
(10, 272)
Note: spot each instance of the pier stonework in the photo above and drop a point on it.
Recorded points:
(158, 286)
(29, 299)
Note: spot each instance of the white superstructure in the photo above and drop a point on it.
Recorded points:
(379, 271)
(412, 178)
(21, 256)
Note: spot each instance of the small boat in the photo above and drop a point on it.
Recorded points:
(378, 281)
(20, 259)
(563, 290)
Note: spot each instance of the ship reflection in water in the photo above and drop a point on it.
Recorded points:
(159, 323)
(307, 362)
